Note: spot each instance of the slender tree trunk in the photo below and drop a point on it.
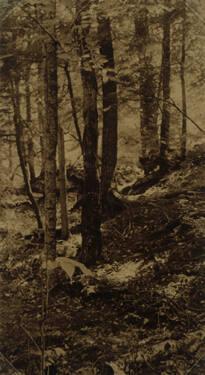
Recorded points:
(10, 157)
(50, 146)
(30, 146)
(158, 93)
(73, 106)
(166, 76)
(110, 107)
(91, 217)
(63, 197)
(183, 85)
(19, 143)
(148, 101)
(148, 119)
(41, 113)
(10, 152)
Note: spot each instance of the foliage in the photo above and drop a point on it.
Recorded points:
(67, 265)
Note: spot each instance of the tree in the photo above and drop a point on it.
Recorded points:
(73, 106)
(183, 84)
(166, 76)
(14, 87)
(41, 112)
(110, 106)
(29, 141)
(147, 92)
(63, 197)
(91, 218)
(50, 137)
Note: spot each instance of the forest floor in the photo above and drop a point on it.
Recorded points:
(142, 311)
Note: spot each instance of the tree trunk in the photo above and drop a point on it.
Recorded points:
(50, 146)
(10, 157)
(19, 143)
(148, 101)
(73, 107)
(41, 113)
(110, 107)
(166, 76)
(148, 119)
(183, 85)
(63, 197)
(30, 146)
(91, 216)
(10, 151)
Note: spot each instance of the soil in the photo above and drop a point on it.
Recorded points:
(143, 309)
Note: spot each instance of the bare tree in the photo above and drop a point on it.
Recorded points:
(91, 218)
(14, 85)
(147, 91)
(62, 183)
(183, 84)
(41, 111)
(166, 76)
(110, 106)
(73, 106)
(29, 141)
(50, 140)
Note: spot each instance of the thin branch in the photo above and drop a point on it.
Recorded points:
(173, 104)
(196, 363)
(10, 364)
(187, 116)
(197, 14)
(31, 338)
(34, 19)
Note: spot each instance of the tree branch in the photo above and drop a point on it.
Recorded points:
(34, 19)
(188, 117)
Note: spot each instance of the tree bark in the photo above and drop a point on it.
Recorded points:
(73, 106)
(14, 83)
(10, 151)
(63, 197)
(166, 76)
(148, 119)
(50, 146)
(30, 146)
(110, 107)
(183, 85)
(41, 112)
(148, 101)
(91, 216)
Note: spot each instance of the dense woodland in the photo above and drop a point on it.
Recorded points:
(102, 183)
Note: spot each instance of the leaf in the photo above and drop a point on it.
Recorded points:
(50, 265)
(69, 266)
(117, 370)
(60, 352)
